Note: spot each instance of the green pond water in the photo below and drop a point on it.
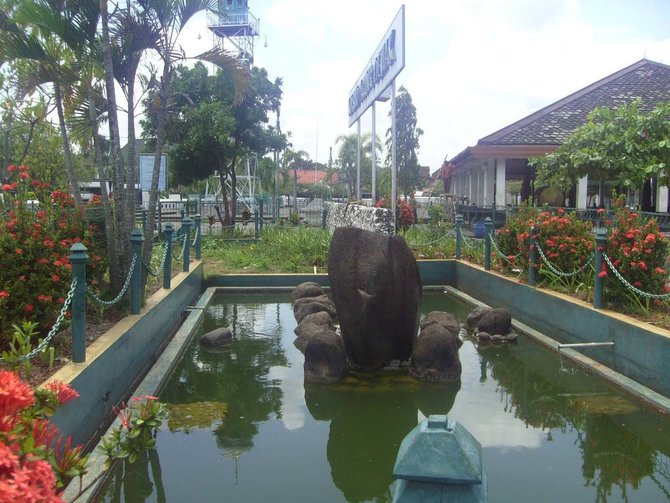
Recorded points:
(244, 427)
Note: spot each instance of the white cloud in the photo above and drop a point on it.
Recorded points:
(473, 66)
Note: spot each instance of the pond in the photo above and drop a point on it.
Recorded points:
(244, 427)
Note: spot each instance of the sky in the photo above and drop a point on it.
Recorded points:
(472, 66)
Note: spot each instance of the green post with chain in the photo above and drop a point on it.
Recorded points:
(198, 237)
(167, 267)
(186, 226)
(136, 240)
(459, 236)
(488, 226)
(324, 216)
(78, 259)
(601, 242)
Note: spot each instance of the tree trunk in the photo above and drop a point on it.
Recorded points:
(69, 163)
(122, 239)
(110, 222)
(160, 134)
(131, 168)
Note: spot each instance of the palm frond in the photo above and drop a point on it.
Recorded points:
(239, 74)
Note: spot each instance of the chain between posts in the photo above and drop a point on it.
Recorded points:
(162, 263)
(195, 238)
(467, 242)
(662, 296)
(126, 284)
(499, 252)
(441, 238)
(56, 326)
(558, 272)
(183, 247)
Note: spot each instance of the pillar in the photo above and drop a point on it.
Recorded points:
(582, 192)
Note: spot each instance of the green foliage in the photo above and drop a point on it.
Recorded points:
(624, 145)
(294, 218)
(139, 420)
(639, 251)
(209, 129)
(407, 142)
(566, 242)
(433, 243)
(19, 347)
(436, 214)
(35, 246)
(404, 214)
(346, 160)
(280, 249)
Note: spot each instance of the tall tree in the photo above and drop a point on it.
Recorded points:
(168, 18)
(346, 159)
(622, 145)
(48, 38)
(407, 142)
(209, 130)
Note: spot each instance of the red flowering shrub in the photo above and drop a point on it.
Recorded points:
(36, 232)
(566, 242)
(512, 238)
(404, 211)
(638, 250)
(35, 464)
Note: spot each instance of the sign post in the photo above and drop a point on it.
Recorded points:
(373, 85)
(146, 172)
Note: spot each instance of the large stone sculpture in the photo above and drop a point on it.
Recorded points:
(376, 288)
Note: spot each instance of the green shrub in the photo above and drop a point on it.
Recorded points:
(638, 250)
(35, 247)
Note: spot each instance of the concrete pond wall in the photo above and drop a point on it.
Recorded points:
(641, 351)
(118, 360)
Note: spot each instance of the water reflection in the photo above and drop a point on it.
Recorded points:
(537, 418)
(237, 375)
(369, 416)
(618, 449)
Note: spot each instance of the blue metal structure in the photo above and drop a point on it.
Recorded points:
(236, 28)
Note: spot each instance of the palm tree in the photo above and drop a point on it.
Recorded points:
(48, 41)
(168, 18)
(347, 159)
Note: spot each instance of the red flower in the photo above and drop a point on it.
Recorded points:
(124, 414)
(24, 176)
(28, 308)
(11, 168)
(23, 168)
(602, 274)
(4, 294)
(601, 210)
(19, 251)
(64, 393)
(55, 278)
(15, 395)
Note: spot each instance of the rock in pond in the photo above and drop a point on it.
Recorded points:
(325, 358)
(435, 356)
(376, 289)
(307, 289)
(217, 337)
